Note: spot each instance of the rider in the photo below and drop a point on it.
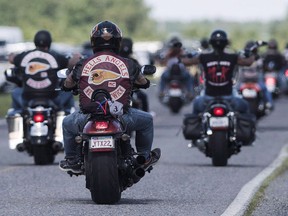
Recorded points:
(105, 40)
(257, 67)
(173, 64)
(126, 50)
(273, 56)
(36, 71)
(218, 69)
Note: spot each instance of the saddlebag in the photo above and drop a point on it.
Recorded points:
(245, 128)
(192, 127)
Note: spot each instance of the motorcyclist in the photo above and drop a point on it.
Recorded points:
(274, 61)
(172, 61)
(273, 56)
(36, 74)
(218, 73)
(105, 40)
(257, 67)
(126, 51)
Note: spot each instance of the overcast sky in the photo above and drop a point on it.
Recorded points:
(231, 10)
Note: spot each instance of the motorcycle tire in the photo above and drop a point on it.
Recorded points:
(175, 104)
(103, 177)
(43, 155)
(253, 104)
(218, 148)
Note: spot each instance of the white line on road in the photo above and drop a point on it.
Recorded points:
(246, 194)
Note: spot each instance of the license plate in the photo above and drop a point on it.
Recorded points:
(105, 142)
(175, 92)
(219, 122)
(249, 93)
(39, 129)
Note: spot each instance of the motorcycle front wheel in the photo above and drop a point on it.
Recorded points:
(103, 177)
(218, 148)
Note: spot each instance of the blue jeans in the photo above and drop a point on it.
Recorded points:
(64, 100)
(238, 104)
(133, 119)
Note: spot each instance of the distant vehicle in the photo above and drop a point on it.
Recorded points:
(9, 35)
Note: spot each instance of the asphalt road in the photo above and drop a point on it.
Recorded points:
(183, 182)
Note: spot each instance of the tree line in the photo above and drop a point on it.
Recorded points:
(71, 22)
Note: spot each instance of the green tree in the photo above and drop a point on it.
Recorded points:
(71, 21)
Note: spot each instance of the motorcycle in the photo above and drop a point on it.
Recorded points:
(251, 92)
(37, 129)
(271, 80)
(109, 162)
(219, 132)
(175, 93)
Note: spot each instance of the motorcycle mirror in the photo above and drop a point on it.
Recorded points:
(148, 69)
(62, 73)
(9, 72)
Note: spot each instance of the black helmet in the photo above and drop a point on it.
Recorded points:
(42, 39)
(218, 39)
(204, 43)
(126, 47)
(105, 35)
(175, 42)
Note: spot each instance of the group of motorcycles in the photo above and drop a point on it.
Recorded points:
(109, 162)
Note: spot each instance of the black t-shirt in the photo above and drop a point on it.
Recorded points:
(273, 61)
(218, 72)
(39, 72)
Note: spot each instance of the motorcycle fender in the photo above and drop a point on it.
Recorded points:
(114, 127)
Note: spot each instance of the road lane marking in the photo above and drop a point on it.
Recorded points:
(246, 194)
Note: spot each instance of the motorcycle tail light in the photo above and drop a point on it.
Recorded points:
(39, 117)
(100, 125)
(270, 81)
(218, 111)
(286, 73)
(174, 85)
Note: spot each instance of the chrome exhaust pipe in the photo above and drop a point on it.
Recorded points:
(138, 174)
(140, 159)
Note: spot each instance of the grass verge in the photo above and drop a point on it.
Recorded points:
(5, 101)
(260, 195)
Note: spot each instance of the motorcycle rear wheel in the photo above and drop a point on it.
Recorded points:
(175, 104)
(218, 148)
(103, 177)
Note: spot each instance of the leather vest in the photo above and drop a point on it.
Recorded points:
(108, 71)
(39, 74)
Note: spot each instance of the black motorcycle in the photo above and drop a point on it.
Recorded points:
(109, 162)
(251, 91)
(37, 129)
(219, 132)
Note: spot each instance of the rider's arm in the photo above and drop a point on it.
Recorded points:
(242, 61)
(142, 82)
(69, 83)
(73, 77)
(73, 59)
(190, 61)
